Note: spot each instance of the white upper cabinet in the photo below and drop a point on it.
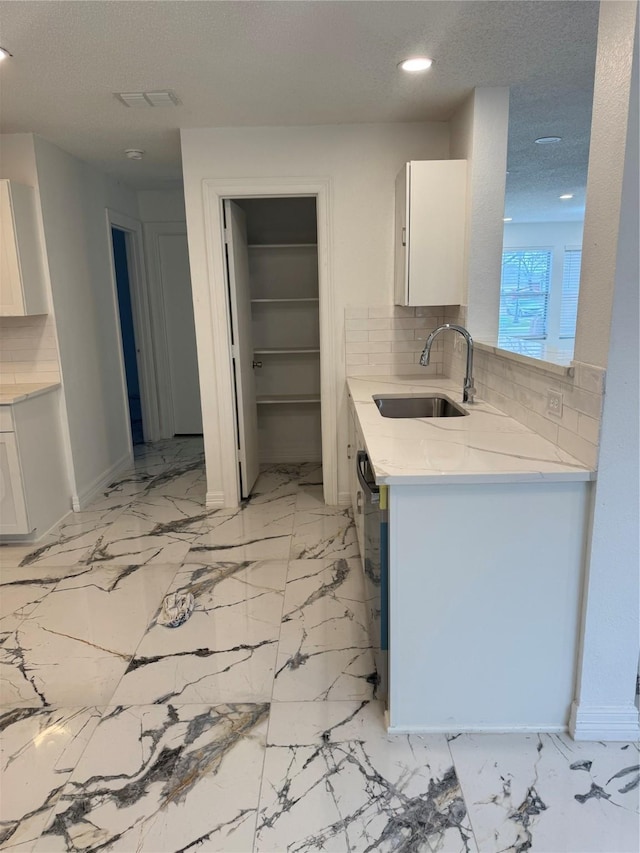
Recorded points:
(22, 286)
(430, 232)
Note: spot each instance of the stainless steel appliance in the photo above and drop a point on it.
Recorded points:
(376, 566)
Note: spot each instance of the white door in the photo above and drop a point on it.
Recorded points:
(173, 256)
(242, 344)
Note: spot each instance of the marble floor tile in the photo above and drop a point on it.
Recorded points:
(225, 651)
(324, 650)
(547, 793)
(324, 532)
(335, 781)
(38, 750)
(164, 778)
(76, 644)
(252, 532)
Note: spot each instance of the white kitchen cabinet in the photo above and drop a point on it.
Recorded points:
(22, 283)
(430, 232)
(34, 489)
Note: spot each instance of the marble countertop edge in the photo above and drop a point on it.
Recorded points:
(460, 451)
(16, 393)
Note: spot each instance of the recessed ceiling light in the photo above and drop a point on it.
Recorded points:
(417, 63)
(566, 195)
(4, 53)
(134, 153)
(548, 140)
(508, 219)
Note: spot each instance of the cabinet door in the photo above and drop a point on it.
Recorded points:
(22, 282)
(11, 296)
(13, 510)
(434, 217)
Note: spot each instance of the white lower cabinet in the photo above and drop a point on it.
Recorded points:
(485, 586)
(13, 508)
(34, 489)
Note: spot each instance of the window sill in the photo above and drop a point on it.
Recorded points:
(555, 361)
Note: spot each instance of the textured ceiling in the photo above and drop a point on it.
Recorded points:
(279, 63)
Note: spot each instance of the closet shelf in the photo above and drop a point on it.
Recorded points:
(289, 299)
(283, 245)
(285, 350)
(287, 398)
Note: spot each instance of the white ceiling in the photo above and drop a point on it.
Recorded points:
(284, 63)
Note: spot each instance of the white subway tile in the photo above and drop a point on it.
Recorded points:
(391, 335)
(589, 428)
(410, 323)
(391, 358)
(579, 447)
(356, 358)
(391, 311)
(369, 346)
(353, 337)
(369, 324)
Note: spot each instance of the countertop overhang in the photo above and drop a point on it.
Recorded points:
(10, 394)
(487, 446)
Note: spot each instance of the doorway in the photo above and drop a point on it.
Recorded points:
(129, 347)
(273, 288)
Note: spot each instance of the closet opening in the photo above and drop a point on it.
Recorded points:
(272, 275)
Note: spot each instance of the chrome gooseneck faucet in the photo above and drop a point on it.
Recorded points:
(468, 390)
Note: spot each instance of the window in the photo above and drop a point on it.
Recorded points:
(570, 291)
(524, 295)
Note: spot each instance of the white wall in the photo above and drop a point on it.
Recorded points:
(605, 179)
(74, 198)
(479, 132)
(161, 205)
(361, 162)
(556, 236)
(605, 706)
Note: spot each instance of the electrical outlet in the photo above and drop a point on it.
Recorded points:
(554, 403)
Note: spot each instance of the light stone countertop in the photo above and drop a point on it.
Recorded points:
(10, 394)
(487, 446)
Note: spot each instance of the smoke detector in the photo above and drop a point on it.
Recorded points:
(147, 99)
(134, 153)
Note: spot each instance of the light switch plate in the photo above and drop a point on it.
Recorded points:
(554, 403)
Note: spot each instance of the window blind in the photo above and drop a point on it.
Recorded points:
(524, 295)
(570, 292)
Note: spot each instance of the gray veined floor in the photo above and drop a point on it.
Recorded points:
(252, 726)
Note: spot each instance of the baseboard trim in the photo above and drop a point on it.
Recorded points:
(289, 457)
(344, 498)
(473, 729)
(214, 500)
(604, 722)
(81, 501)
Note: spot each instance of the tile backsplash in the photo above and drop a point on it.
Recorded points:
(387, 340)
(28, 350)
(520, 390)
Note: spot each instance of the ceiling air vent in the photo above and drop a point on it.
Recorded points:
(147, 99)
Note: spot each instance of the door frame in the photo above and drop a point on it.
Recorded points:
(214, 193)
(139, 293)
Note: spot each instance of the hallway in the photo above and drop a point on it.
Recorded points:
(254, 725)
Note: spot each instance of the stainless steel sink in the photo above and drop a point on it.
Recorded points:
(423, 406)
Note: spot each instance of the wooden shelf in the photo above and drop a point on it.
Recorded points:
(270, 399)
(283, 245)
(285, 350)
(289, 299)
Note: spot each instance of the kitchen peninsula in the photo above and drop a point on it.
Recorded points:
(487, 525)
